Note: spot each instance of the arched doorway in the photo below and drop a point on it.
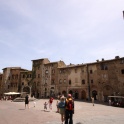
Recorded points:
(76, 95)
(26, 89)
(33, 94)
(94, 94)
(83, 95)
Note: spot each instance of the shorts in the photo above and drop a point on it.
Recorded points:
(62, 111)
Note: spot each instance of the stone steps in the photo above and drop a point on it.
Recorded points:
(19, 99)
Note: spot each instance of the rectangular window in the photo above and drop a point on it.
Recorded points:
(122, 71)
(83, 81)
(91, 81)
(104, 67)
(16, 77)
(30, 75)
(52, 81)
(69, 82)
(91, 71)
(23, 76)
(38, 75)
(0, 78)
(53, 71)
(122, 61)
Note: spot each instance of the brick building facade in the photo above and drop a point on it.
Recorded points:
(99, 79)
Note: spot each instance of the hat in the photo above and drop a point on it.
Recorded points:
(69, 95)
(62, 98)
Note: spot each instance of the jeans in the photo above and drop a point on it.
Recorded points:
(68, 116)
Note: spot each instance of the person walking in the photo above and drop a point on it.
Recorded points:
(50, 103)
(57, 102)
(69, 109)
(110, 102)
(61, 106)
(34, 104)
(27, 101)
(92, 98)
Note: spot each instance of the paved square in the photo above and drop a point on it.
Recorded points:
(85, 113)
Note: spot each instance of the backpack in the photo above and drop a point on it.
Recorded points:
(70, 104)
(61, 105)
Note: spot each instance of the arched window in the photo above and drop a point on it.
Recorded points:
(60, 81)
(46, 71)
(53, 71)
(69, 82)
(64, 80)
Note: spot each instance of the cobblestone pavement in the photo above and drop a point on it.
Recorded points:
(85, 113)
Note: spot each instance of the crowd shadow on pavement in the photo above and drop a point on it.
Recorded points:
(45, 111)
(21, 109)
(79, 123)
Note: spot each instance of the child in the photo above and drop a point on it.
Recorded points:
(45, 106)
(57, 107)
(92, 98)
(34, 104)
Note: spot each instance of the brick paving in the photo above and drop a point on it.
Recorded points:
(85, 113)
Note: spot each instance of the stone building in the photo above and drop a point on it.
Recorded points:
(73, 79)
(11, 79)
(1, 86)
(98, 79)
(50, 78)
(25, 82)
(37, 76)
(110, 77)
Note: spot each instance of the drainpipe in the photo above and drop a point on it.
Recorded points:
(89, 97)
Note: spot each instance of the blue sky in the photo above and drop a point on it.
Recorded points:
(75, 31)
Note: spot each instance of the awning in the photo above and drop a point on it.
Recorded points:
(12, 93)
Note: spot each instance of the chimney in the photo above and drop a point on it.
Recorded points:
(102, 59)
(97, 60)
(117, 57)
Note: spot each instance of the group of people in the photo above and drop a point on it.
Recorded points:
(50, 104)
(65, 107)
